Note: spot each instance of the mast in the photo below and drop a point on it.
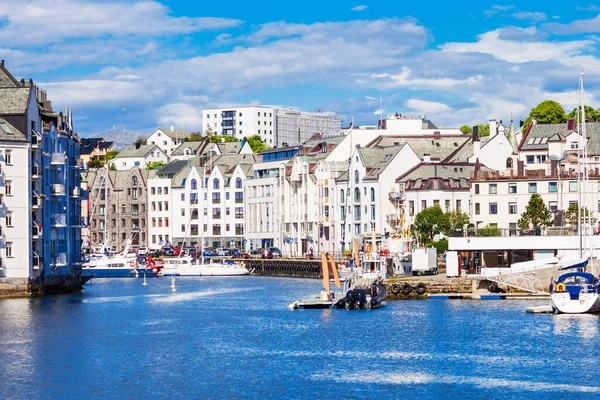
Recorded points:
(587, 219)
(579, 180)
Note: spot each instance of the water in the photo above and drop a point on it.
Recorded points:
(236, 338)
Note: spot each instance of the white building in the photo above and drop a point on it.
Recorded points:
(276, 127)
(138, 156)
(159, 210)
(168, 139)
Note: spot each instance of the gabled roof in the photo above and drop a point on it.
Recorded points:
(9, 133)
(193, 147)
(178, 134)
(14, 100)
(438, 176)
(172, 168)
(438, 148)
(88, 145)
(230, 147)
(132, 152)
(7, 80)
(376, 159)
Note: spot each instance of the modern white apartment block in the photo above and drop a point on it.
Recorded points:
(159, 211)
(276, 127)
(168, 139)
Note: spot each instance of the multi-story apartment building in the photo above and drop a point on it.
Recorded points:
(94, 149)
(118, 214)
(41, 182)
(276, 127)
(168, 139)
(159, 210)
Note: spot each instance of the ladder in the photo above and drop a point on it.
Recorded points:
(518, 281)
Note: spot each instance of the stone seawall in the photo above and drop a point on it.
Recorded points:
(38, 286)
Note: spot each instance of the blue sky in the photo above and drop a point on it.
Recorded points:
(164, 61)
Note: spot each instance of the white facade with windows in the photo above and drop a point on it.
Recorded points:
(159, 208)
(138, 156)
(168, 139)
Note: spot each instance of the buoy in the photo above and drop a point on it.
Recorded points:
(144, 284)
(173, 289)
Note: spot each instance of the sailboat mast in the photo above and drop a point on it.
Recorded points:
(587, 218)
(579, 180)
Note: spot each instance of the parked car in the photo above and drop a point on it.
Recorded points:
(168, 251)
(191, 251)
(275, 252)
(142, 251)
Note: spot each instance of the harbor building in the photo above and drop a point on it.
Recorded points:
(276, 127)
(139, 155)
(168, 139)
(160, 230)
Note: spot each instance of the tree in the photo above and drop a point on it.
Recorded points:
(547, 112)
(219, 139)
(141, 140)
(441, 245)
(155, 165)
(489, 230)
(427, 223)
(95, 163)
(110, 155)
(195, 137)
(484, 130)
(589, 113)
(452, 221)
(573, 211)
(466, 129)
(536, 213)
(256, 144)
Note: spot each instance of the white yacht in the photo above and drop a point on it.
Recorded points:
(188, 266)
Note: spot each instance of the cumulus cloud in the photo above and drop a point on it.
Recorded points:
(359, 8)
(92, 92)
(533, 16)
(426, 107)
(591, 25)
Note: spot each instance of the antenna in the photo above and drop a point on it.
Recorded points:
(123, 120)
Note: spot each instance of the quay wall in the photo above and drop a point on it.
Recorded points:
(286, 268)
(39, 286)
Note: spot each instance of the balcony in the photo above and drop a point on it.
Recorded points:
(36, 171)
(58, 189)
(194, 216)
(59, 220)
(58, 159)
(37, 261)
(76, 192)
(60, 259)
(36, 231)
(37, 200)
(36, 140)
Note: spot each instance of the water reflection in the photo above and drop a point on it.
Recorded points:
(583, 325)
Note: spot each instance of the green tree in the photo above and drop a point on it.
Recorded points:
(256, 143)
(95, 163)
(219, 139)
(572, 212)
(427, 223)
(466, 129)
(141, 140)
(195, 137)
(452, 221)
(441, 245)
(547, 112)
(484, 130)
(536, 213)
(110, 155)
(589, 113)
(489, 230)
(155, 165)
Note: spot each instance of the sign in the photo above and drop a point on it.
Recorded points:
(245, 241)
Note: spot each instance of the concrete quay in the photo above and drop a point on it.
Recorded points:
(40, 286)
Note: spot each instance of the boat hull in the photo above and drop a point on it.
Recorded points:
(98, 272)
(586, 303)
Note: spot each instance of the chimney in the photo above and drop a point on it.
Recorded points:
(520, 168)
(138, 144)
(571, 125)
(172, 128)
(521, 123)
(554, 168)
(475, 133)
(426, 158)
(493, 127)
(2, 62)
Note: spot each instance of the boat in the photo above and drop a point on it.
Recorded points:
(577, 290)
(188, 266)
(361, 290)
(115, 267)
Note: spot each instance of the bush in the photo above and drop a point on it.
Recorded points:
(441, 245)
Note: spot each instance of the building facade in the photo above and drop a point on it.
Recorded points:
(138, 156)
(168, 139)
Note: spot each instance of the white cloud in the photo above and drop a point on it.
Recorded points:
(591, 7)
(533, 16)
(181, 115)
(591, 25)
(41, 21)
(426, 107)
(502, 8)
(92, 92)
(359, 8)
(405, 79)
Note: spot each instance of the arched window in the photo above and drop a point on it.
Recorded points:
(372, 194)
(509, 163)
(356, 176)
(134, 181)
(357, 194)
(342, 197)
(216, 184)
(194, 184)
(238, 183)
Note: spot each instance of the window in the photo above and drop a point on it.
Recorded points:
(356, 176)
(342, 213)
(372, 194)
(216, 213)
(357, 229)
(552, 187)
(572, 186)
(167, 222)
(372, 213)
(574, 145)
(447, 205)
(423, 204)
(166, 190)
(512, 208)
(509, 163)
(227, 211)
(154, 222)
(153, 206)
(152, 190)
(411, 208)
(493, 208)
(553, 206)
(512, 188)
(227, 227)
(9, 249)
(194, 184)
(8, 157)
(166, 206)
(216, 184)
(530, 159)
(239, 212)
(239, 197)
(357, 213)
(216, 198)
(357, 195)
(343, 197)
(216, 229)
(477, 210)
(134, 195)
(477, 188)
(160, 206)
(226, 195)
(134, 181)
(183, 212)
(9, 218)
(493, 188)
(8, 187)
(238, 183)
(182, 196)
(533, 187)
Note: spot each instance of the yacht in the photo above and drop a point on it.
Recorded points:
(188, 266)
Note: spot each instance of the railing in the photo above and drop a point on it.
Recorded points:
(523, 282)
(36, 200)
(194, 216)
(76, 192)
(36, 230)
(527, 174)
(216, 201)
(61, 259)
(59, 220)
(36, 170)
(502, 232)
(36, 140)
(58, 159)
(58, 189)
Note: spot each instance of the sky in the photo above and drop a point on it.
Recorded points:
(163, 61)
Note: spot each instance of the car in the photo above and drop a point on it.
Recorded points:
(168, 251)
(275, 252)
(142, 251)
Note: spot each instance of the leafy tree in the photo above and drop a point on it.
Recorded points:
(441, 245)
(484, 130)
(195, 137)
(589, 113)
(95, 163)
(256, 143)
(547, 112)
(452, 221)
(466, 129)
(110, 155)
(488, 231)
(427, 223)
(572, 212)
(219, 139)
(141, 140)
(112, 167)
(536, 213)
(155, 165)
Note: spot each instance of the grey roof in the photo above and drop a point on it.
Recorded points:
(122, 179)
(540, 134)
(178, 134)
(172, 168)
(9, 133)
(439, 148)
(376, 159)
(181, 176)
(14, 100)
(7, 79)
(230, 147)
(432, 176)
(192, 146)
(141, 152)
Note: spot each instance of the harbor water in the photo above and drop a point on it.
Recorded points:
(236, 338)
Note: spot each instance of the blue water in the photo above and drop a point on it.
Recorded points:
(235, 338)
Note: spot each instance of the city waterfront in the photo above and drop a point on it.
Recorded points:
(236, 338)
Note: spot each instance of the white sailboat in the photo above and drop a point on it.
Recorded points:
(577, 291)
